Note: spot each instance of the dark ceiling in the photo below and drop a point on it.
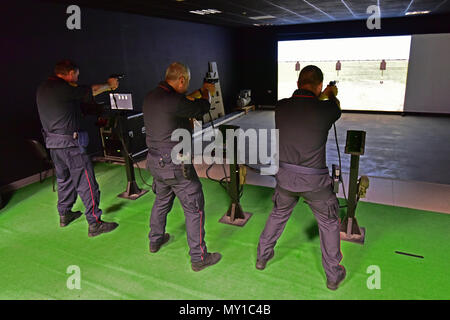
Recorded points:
(277, 12)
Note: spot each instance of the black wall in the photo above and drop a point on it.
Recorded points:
(258, 46)
(34, 36)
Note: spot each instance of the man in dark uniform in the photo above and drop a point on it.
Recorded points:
(303, 122)
(59, 101)
(166, 109)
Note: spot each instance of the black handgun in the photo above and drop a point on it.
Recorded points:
(118, 76)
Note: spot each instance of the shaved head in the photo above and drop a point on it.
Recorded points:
(176, 70)
(311, 75)
(311, 78)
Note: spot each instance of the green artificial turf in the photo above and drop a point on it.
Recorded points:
(35, 252)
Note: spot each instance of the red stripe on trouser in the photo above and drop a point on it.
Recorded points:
(342, 256)
(92, 195)
(201, 213)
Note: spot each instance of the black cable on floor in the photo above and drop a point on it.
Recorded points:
(129, 156)
(340, 165)
(140, 174)
(221, 181)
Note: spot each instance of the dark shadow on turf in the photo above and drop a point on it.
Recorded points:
(6, 197)
(114, 208)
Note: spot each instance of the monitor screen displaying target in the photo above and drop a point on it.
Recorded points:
(121, 101)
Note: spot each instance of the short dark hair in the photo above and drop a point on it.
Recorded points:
(65, 66)
(310, 75)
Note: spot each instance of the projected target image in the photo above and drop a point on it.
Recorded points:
(370, 72)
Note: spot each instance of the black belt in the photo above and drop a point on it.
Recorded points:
(162, 145)
(158, 152)
(73, 136)
(303, 170)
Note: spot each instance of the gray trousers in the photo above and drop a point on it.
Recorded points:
(75, 176)
(325, 208)
(168, 183)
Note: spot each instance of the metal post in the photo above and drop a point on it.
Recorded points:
(133, 191)
(350, 230)
(235, 215)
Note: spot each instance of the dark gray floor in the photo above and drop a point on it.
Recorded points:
(405, 148)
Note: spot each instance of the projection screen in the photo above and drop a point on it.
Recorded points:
(371, 72)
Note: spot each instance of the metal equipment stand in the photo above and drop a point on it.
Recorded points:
(350, 230)
(235, 215)
(133, 191)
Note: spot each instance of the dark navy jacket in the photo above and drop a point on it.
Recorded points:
(166, 110)
(303, 122)
(59, 105)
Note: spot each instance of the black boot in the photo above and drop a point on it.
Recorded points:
(66, 219)
(98, 228)
(154, 247)
(261, 264)
(335, 285)
(209, 260)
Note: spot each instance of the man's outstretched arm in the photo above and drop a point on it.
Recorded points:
(111, 84)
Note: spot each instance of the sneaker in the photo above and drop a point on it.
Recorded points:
(335, 285)
(66, 219)
(209, 260)
(98, 228)
(155, 247)
(261, 264)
